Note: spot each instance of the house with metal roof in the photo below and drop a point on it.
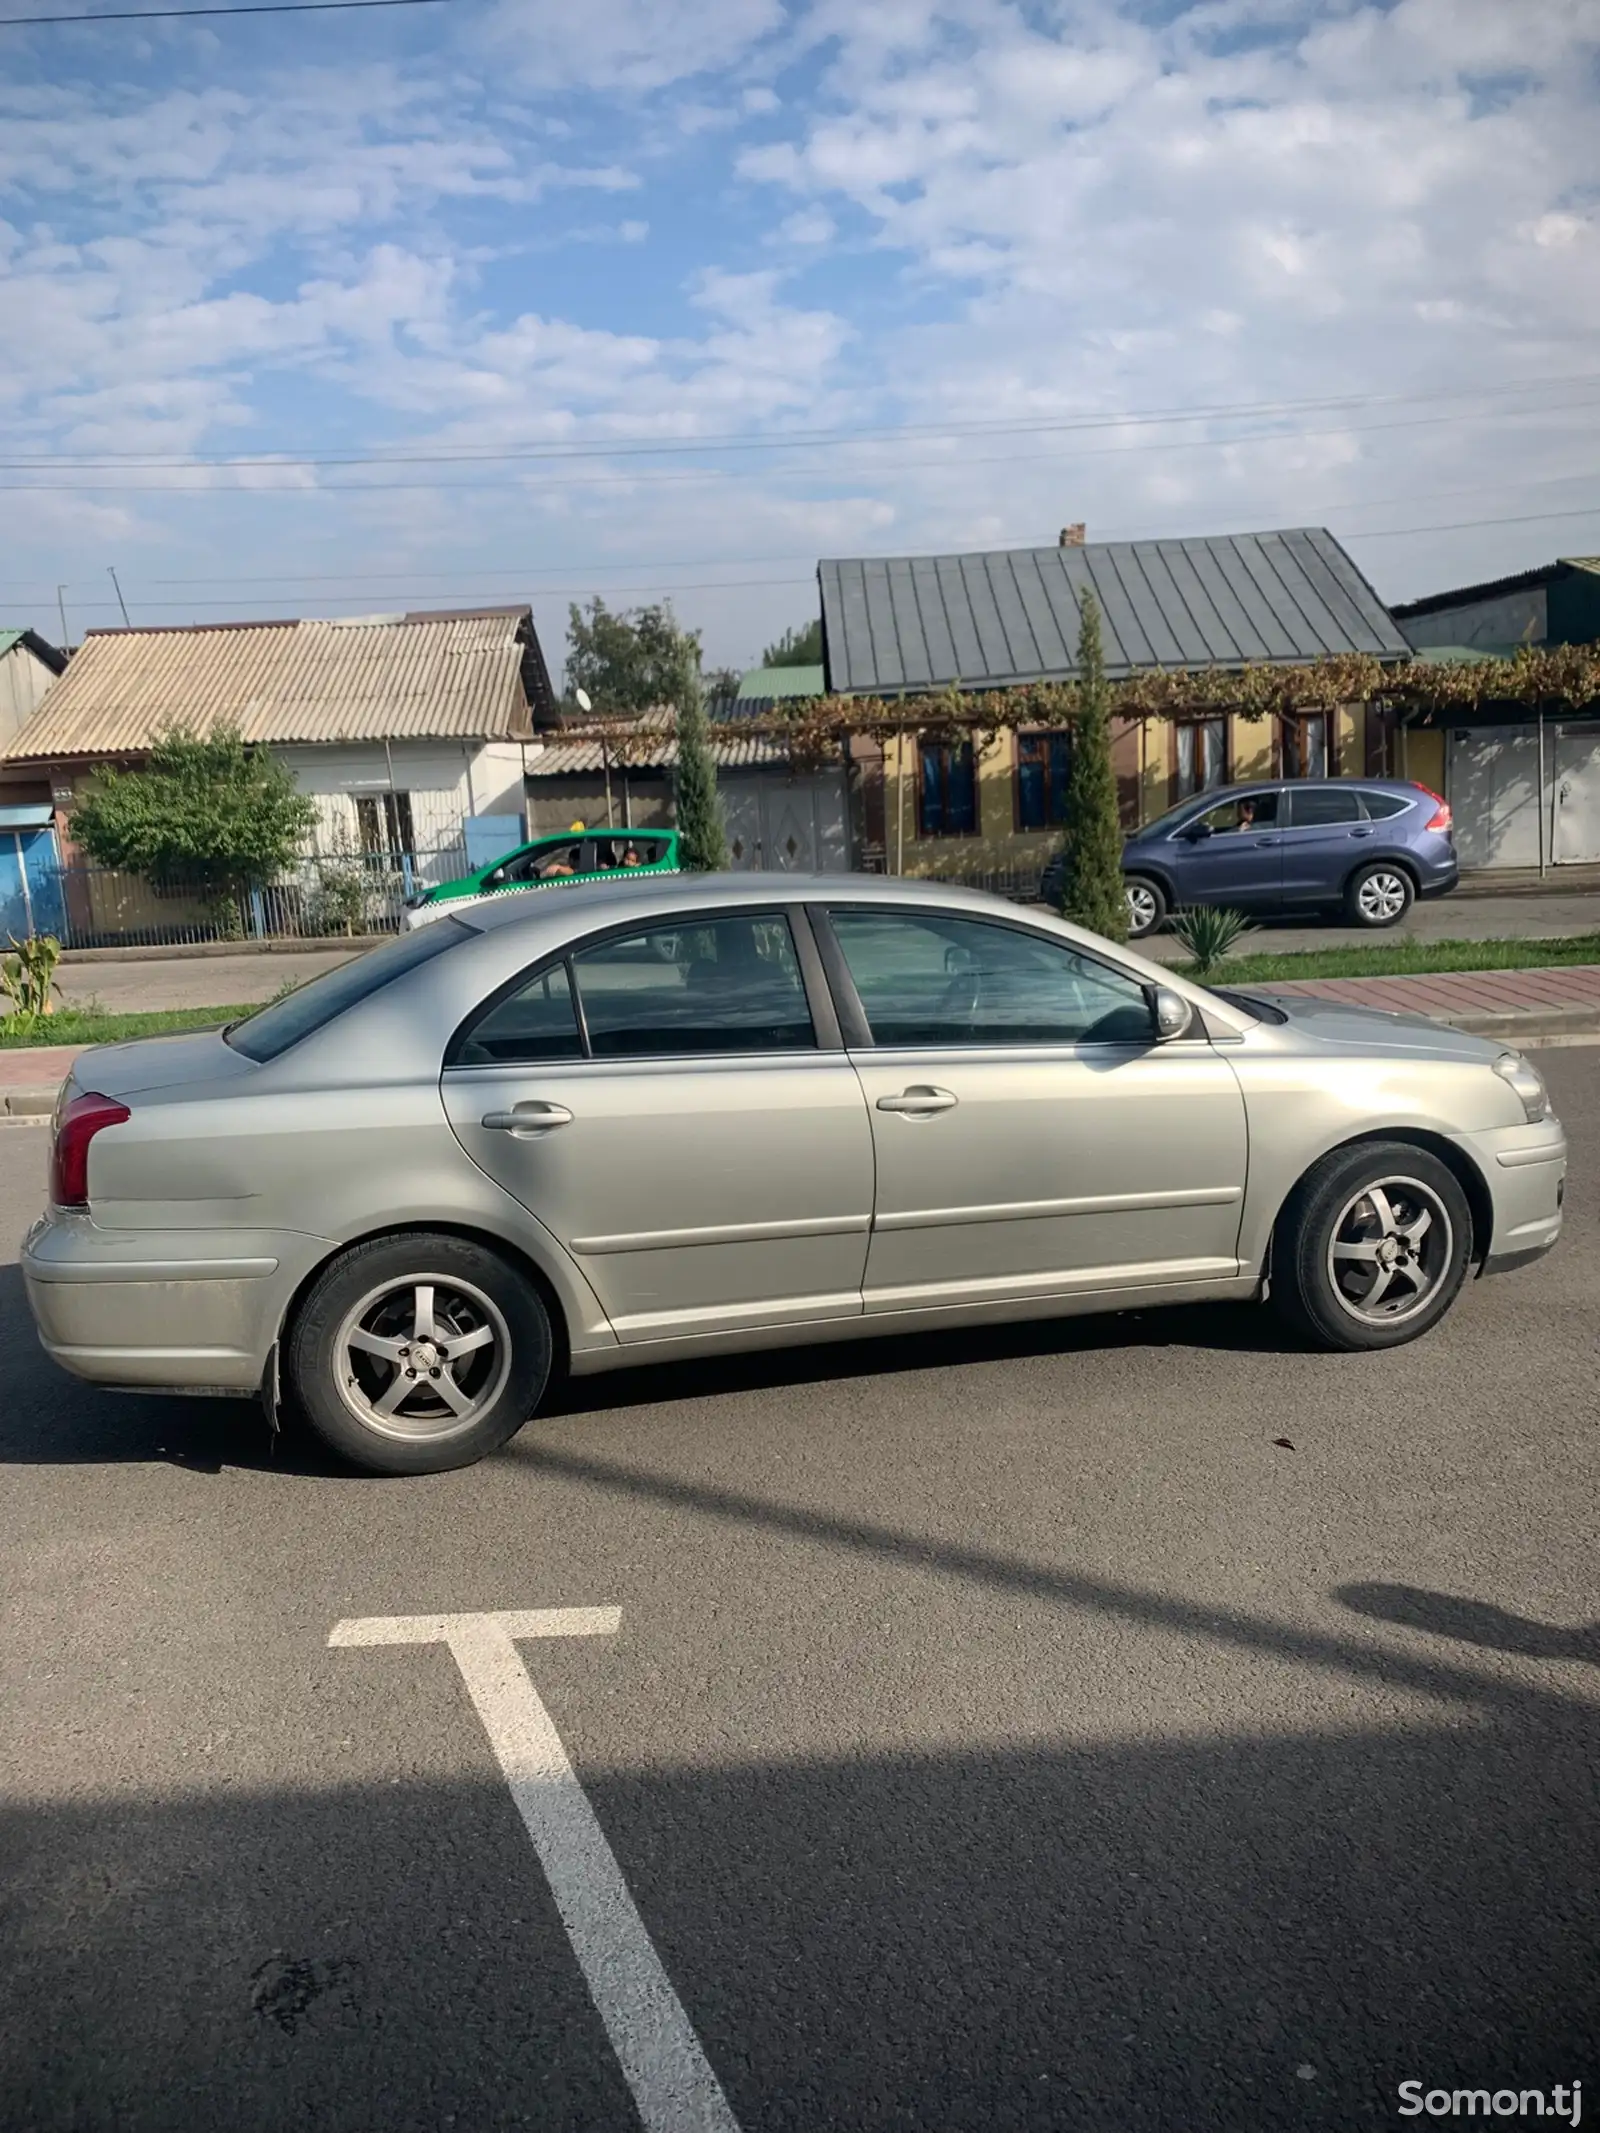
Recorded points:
(29, 667)
(1526, 790)
(400, 726)
(915, 625)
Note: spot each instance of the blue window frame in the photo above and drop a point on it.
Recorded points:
(947, 790)
(1044, 778)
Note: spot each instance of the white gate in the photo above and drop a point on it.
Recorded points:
(1494, 793)
(786, 825)
(1575, 802)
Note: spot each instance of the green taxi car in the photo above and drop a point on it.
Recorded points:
(555, 862)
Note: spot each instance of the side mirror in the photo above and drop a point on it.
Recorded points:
(1171, 1014)
(1197, 832)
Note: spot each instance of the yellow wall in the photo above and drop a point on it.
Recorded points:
(1250, 749)
(998, 844)
(1421, 751)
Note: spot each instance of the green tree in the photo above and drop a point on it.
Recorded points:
(796, 648)
(697, 807)
(205, 809)
(629, 660)
(1091, 882)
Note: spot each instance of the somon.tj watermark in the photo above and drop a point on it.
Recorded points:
(1563, 2101)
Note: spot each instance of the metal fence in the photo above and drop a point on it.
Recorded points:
(322, 897)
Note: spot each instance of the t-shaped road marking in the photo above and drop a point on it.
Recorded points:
(672, 2084)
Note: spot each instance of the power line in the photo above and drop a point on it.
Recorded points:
(669, 585)
(657, 478)
(788, 440)
(182, 14)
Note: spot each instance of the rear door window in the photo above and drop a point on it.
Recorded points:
(1316, 806)
(728, 984)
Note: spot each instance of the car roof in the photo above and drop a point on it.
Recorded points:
(657, 891)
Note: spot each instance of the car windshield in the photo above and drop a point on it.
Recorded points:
(271, 1030)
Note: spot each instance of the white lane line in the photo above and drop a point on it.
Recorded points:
(673, 2086)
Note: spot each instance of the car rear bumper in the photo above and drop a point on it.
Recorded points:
(176, 1310)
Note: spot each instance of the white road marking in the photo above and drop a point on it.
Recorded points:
(673, 2086)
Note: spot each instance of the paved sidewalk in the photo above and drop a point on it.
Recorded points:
(1494, 1002)
(1519, 1005)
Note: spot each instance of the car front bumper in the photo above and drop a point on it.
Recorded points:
(1526, 1169)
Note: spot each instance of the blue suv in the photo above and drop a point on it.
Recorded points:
(1368, 847)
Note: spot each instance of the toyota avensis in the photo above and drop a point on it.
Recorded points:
(710, 1113)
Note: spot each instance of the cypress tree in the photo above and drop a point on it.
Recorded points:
(703, 845)
(1091, 882)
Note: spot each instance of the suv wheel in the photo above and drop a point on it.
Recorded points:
(1372, 1247)
(414, 1354)
(1379, 895)
(1147, 905)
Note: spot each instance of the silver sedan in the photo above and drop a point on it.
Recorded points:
(581, 1132)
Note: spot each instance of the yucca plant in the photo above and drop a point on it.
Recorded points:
(28, 978)
(1207, 934)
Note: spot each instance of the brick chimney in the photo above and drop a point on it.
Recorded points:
(1073, 536)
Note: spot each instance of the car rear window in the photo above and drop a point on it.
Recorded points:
(271, 1030)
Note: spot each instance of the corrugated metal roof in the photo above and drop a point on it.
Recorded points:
(900, 625)
(371, 679)
(768, 683)
(41, 647)
(638, 752)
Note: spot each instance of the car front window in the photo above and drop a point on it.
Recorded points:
(925, 979)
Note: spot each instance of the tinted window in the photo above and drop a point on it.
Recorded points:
(1381, 805)
(1252, 810)
(273, 1029)
(537, 1021)
(1323, 804)
(931, 980)
(621, 850)
(712, 985)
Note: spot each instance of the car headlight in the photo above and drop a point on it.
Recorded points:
(1524, 1079)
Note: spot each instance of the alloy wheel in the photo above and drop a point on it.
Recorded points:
(1383, 896)
(1141, 907)
(1391, 1247)
(424, 1357)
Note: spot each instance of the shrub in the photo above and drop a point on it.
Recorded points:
(1207, 934)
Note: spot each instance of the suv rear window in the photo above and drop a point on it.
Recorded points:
(271, 1030)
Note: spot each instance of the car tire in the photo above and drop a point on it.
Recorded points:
(414, 1311)
(1147, 904)
(1352, 1268)
(1379, 895)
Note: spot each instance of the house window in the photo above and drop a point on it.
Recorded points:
(383, 824)
(1305, 745)
(948, 790)
(1199, 757)
(1044, 776)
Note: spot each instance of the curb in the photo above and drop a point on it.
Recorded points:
(202, 951)
(27, 1103)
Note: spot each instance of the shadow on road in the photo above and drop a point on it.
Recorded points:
(1212, 1935)
(1444, 1614)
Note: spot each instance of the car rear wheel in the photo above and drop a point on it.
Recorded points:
(1372, 1247)
(1147, 905)
(418, 1353)
(1380, 895)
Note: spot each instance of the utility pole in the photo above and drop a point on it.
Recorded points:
(61, 609)
(127, 625)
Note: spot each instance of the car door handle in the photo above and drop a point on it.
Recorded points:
(528, 1118)
(921, 1102)
(1361, 833)
(1266, 840)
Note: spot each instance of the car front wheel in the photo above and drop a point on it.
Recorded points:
(1372, 1247)
(1379, 895)
(1147, 905)
(418, 1353)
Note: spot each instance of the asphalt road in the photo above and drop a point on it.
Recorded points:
(132, 986)
(999, 1733)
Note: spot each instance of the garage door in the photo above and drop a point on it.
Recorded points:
(1576, 805)
(779, 825)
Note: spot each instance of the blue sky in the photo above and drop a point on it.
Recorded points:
(670, 297)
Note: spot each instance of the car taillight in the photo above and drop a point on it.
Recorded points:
(1441, 817)
(76, 1126)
